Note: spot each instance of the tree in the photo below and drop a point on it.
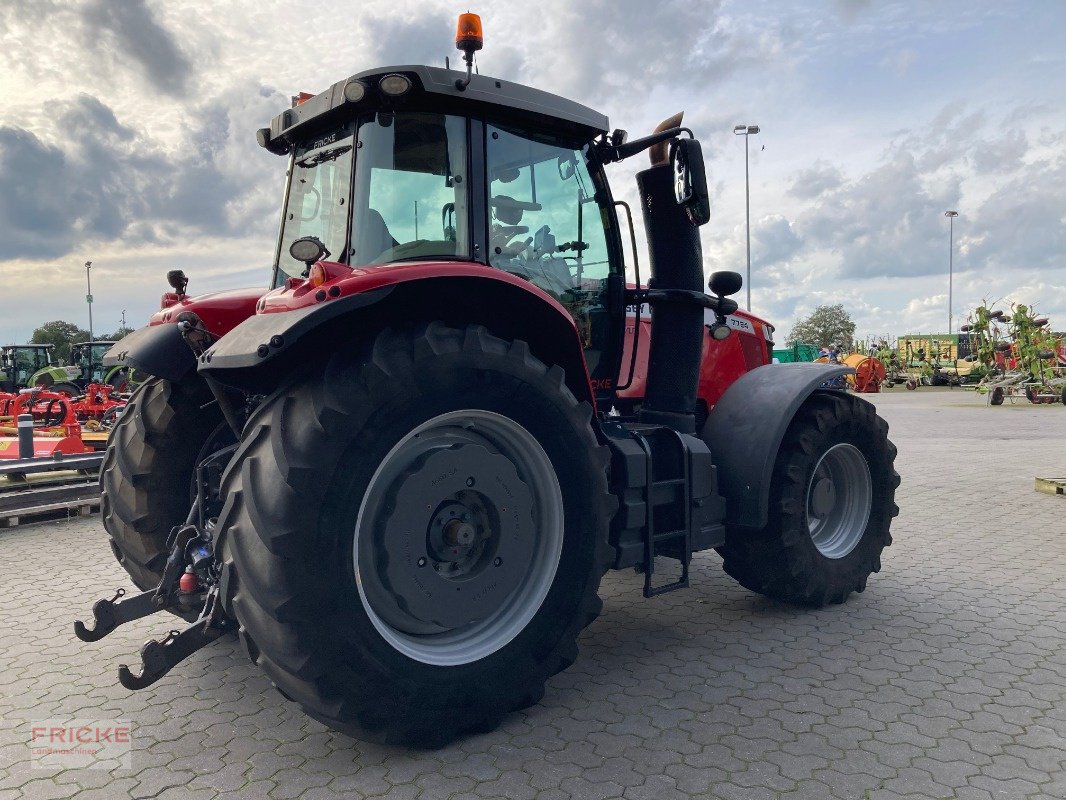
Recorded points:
(60, 334)
(826, 326)
(120, 333)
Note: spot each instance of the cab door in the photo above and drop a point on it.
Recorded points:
(551, 221)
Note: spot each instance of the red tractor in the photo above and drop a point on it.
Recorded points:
(401, 472)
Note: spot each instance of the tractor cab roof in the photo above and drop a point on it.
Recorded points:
(433, 89)
(9, 347)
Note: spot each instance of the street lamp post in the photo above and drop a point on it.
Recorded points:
(951, 254)
(89, 297)
(746, 131)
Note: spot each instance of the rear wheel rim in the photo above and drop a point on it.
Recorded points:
(469, 502)
(839, 500)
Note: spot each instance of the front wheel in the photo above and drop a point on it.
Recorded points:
(415, 535)
(832, 500)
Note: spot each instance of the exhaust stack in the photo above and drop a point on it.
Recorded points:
(676, 257)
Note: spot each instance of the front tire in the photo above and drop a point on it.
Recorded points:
(337, 502)
(832, 500)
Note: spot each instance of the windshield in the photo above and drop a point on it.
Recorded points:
(410, 189)
(317, 204)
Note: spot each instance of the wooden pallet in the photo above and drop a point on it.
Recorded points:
(1052, 486)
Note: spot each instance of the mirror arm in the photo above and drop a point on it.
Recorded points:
(610, 153)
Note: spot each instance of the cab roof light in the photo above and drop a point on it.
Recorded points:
(301, 98)
(354, 91)
(395, 85)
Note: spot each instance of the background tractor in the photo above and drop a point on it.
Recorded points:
(401, 472)
(25, 366)
(88, 357)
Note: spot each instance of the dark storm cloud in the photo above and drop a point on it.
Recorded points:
(128, 30)
(101, 181)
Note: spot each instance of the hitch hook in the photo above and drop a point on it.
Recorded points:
(159, 657)
(109, 614)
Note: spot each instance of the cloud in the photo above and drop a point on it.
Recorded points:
(773, 240)
(128, 31)
(101, 180)
(817, 179)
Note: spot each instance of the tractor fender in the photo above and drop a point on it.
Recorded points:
(745, 429)
(262, 349)
(157, 350)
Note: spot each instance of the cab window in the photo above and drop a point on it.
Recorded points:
(546, 225)
(410, 189)
(317, 204)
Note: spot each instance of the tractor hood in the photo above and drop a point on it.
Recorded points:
(220, 311)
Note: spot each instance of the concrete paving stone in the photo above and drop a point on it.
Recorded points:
(294, 782)
(46, 789)
(945, 679)
(185, 793)
(367, 782)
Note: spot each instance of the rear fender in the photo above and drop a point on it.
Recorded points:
(745, 429)
(157, 350)
(257, 354)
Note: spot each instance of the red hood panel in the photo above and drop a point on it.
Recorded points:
(220, 311)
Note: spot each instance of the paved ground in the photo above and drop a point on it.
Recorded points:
(947, 678)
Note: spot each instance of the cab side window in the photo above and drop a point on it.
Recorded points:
(546, 225)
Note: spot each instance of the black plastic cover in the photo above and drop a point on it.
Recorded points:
(262, 337)
(157, 350)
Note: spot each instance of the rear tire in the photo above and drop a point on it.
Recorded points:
(331, 477)
(822, 540)
(146, 476)
(996, 397)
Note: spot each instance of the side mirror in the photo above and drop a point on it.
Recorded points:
(308, 249)
(690, 179)
(177, 280)
(724, 284)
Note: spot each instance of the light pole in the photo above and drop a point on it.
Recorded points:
(951, 254)
(89, 297)
(746, 131)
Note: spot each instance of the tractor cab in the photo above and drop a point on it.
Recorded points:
(397, 166)
(18, 362)
(88, 357)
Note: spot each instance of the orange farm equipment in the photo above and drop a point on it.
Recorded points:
(56, 429)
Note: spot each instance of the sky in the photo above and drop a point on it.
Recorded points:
(127, 137)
